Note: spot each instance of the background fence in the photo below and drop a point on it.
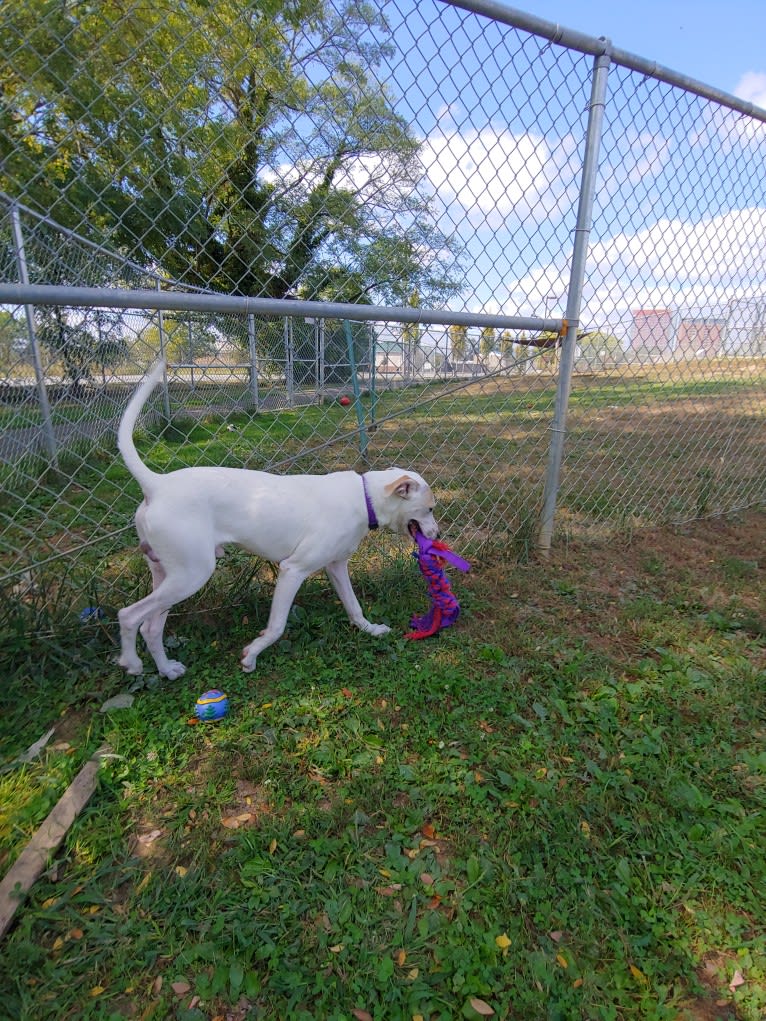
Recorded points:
(412, 204)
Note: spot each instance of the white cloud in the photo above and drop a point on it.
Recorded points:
(487, 170)
(491, 173)
(670, 264)
(752, 87)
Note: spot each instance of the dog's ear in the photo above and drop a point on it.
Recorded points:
(403, 487)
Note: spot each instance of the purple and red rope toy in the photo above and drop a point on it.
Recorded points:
(431, 556)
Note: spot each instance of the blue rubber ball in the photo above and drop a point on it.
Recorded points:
(91, 614)
(212, 705)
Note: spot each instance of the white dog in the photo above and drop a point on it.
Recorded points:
(301, 522)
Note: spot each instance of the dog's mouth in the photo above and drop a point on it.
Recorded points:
(413, 528)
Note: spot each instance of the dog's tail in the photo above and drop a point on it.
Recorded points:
(144, 476)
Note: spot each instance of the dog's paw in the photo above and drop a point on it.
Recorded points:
(248, 660)
(173, 670)
(130, 665)
(376, 629)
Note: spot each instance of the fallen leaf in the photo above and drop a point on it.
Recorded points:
(149, 838)
(412, 974)
(481, 1007)
(556, 936)
(503, 942)
(638, 974)
(361, 1015)
(738, 980)
(75, 934)
(181, 870)
(426, 879)
(97, 990)
(180, 988)
(388, 891)
(346, 692)
(231, 822)
(336, 949)
(585, 829)
(577, 983)
(411, 852)
(400, 957)
(157, 985)
(272, 847)
(58, 943)
(49, 902)
(562, 961)
(417, 1017)
(434, 902)
(428, 831)
(123, 701)
(483, 725)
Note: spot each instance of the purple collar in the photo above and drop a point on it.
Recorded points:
(372, 518)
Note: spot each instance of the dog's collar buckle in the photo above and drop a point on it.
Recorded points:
(372, 518)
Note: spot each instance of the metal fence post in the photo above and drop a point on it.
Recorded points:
(29, 312)
(163, 355)
(574, 296)
(289, 377)
(253, 360)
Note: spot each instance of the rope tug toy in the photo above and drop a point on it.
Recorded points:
(431, 556)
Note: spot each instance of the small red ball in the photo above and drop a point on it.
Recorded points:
(345, 401)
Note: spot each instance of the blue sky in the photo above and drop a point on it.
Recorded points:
(680, 214)
(716, 41)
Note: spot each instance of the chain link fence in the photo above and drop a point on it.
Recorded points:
(535, 265)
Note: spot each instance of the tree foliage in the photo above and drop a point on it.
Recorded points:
(245, 146)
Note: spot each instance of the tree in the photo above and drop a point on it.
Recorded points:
(506, 346)
(596, 347)
(244, 146)
(458, 339)
(14, 342)
(81, 339)
(486, 341)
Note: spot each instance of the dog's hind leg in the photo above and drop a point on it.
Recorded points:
(338, 575)
(150, 613)
(289, 581)
(153, 629)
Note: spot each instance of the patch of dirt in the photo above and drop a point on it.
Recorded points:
(582, 586)
(716, 1004)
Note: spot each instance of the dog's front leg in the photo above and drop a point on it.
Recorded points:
(289, 581)
(338, 575)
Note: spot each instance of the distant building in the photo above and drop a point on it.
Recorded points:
(652, 333)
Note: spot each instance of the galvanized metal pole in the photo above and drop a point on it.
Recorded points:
(163, 355)
(42, 393)
(574, 296)
(253, 360)
(363, 439)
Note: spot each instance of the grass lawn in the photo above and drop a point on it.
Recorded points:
(552, 811)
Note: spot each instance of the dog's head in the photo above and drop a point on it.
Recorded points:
(411, 505)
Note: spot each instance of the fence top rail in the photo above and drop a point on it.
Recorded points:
(601, 46)
(104, 297)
